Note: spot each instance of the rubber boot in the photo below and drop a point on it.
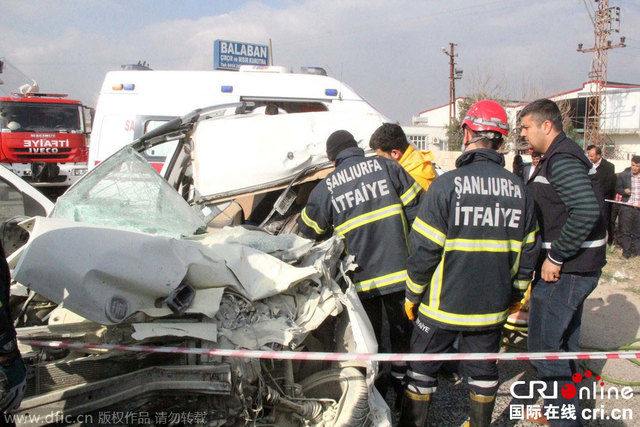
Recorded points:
(481, 409)
(415, 409)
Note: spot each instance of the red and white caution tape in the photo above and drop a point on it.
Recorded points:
(337, 357)
(620, 202)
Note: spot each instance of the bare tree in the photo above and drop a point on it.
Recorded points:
(494, 88)
(455, 134)
(483, 87)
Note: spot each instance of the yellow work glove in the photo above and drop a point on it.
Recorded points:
(410, 309)
(515, 307)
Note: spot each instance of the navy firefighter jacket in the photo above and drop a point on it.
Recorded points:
(371, 201)
(474, 244)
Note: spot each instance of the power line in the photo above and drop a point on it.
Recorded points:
(590, 11)
(606, 21)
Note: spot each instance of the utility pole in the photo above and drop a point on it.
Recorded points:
(605, 22)
(454, 74)
(270, 53)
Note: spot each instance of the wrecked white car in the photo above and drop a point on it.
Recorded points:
(131, 258)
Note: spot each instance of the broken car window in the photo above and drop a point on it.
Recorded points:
(126, 192)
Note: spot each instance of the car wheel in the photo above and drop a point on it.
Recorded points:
(347, 386)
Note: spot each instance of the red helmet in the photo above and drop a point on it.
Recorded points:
(487, 116)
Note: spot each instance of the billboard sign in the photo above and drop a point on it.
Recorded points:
(230, 55)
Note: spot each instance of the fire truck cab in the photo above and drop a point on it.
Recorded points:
(43, 138)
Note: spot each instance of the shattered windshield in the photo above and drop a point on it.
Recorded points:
(126, 192)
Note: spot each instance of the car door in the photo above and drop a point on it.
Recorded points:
(18, 201)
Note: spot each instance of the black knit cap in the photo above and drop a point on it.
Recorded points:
(338, 141)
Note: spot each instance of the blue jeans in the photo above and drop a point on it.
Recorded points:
(555, 315)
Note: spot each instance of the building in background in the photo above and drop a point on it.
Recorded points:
(620, 120)
(428, 130)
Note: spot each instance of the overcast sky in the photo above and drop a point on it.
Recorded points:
(388, 51)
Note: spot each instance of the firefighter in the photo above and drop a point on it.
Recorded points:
(473, 252)
(371, 201)
(12, 370)
(390, 141)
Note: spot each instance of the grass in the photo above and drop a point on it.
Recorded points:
(633, 290)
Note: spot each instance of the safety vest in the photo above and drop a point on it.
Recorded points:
(592, 254)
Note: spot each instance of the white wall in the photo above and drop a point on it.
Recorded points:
(622, 112)
(431, 126)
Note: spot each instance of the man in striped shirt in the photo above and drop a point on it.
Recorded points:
(573, 247)
(628, 186)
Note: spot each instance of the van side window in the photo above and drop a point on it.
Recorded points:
(290, 107)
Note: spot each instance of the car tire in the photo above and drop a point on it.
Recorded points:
(348, 387)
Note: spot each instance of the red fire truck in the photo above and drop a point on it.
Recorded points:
(43, 137)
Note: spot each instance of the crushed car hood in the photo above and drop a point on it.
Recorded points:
(106, 274)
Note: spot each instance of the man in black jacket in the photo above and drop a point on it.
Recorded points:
(606, 178)
(573, 249)
(474, 249)
(528, 168)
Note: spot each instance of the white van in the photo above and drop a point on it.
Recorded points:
(133, 102)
